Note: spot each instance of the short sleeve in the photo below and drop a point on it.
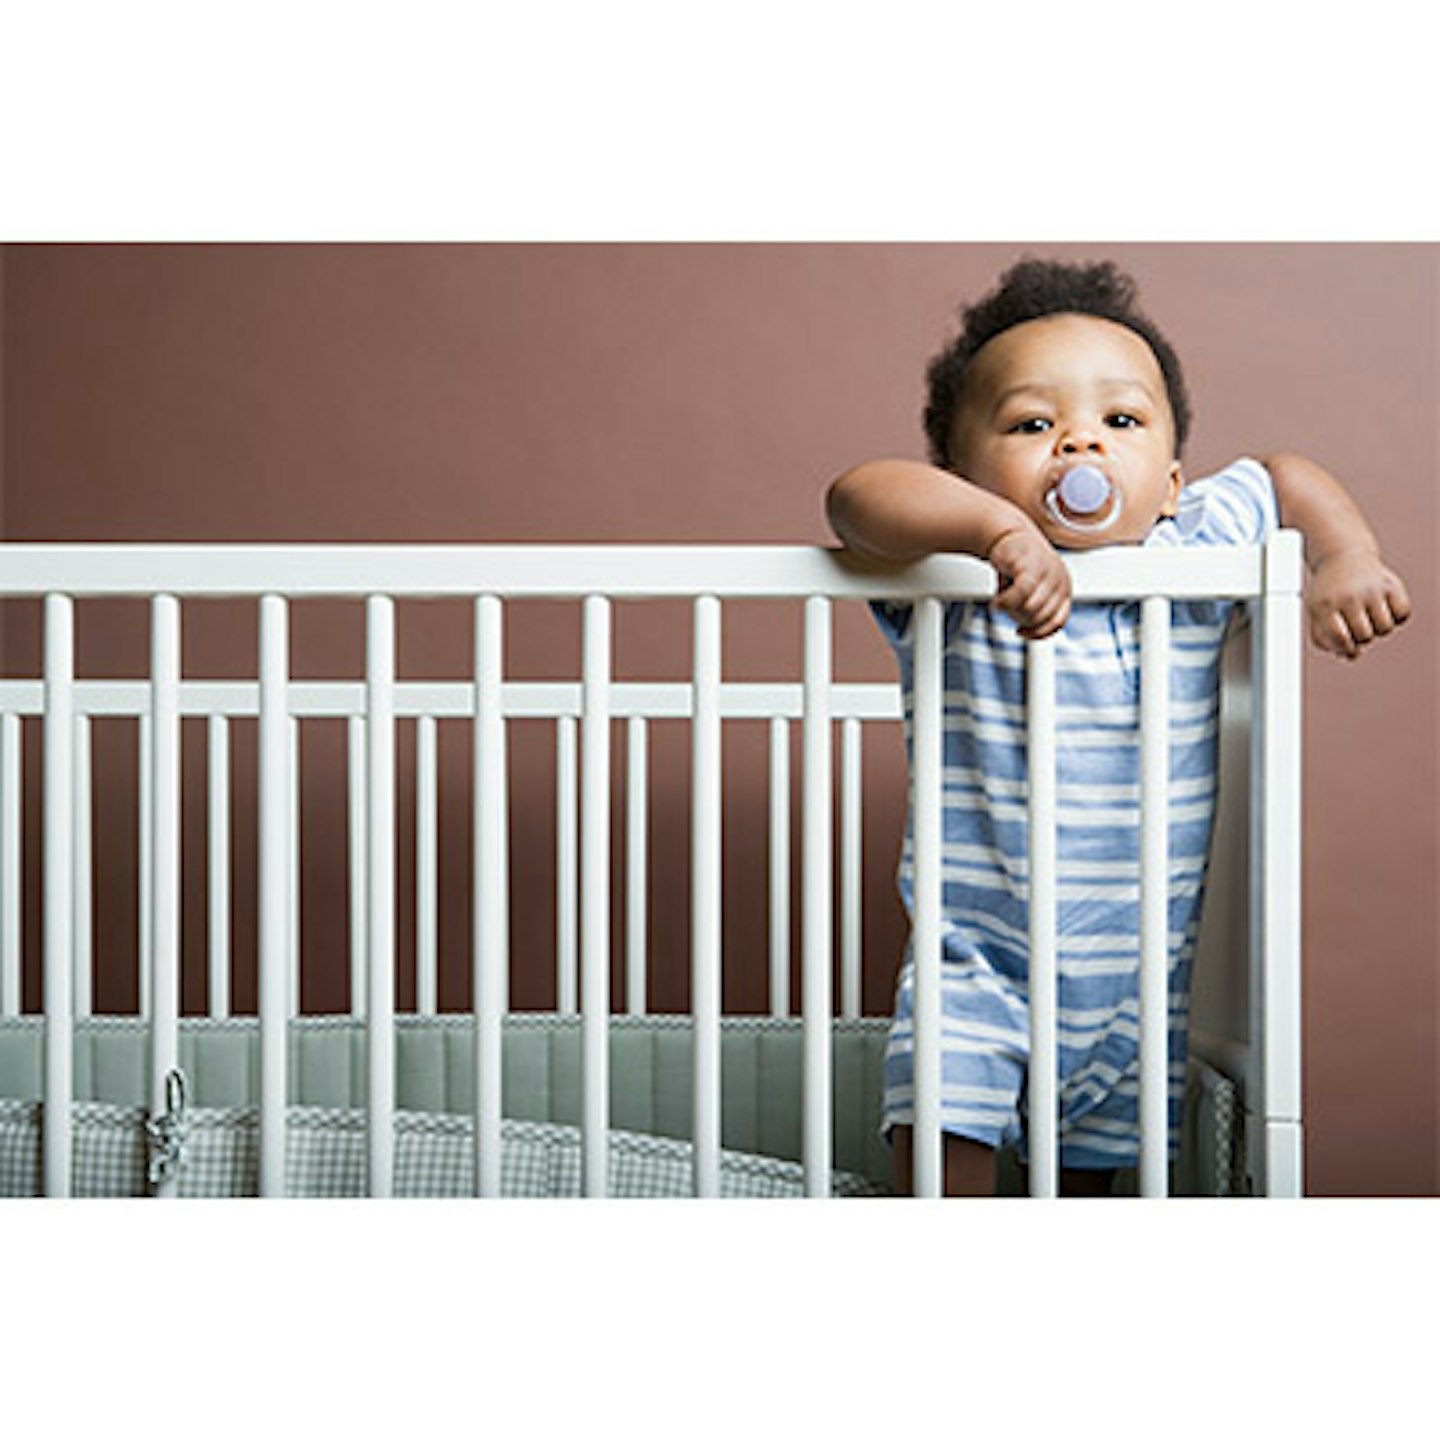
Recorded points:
(1236, 506)
(893, 618)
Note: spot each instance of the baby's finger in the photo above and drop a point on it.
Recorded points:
(1398, 598)
(1023, 611)
(1329, 631)
(1024, 592)
(1051, 587)
(1382, 618)
(1051, 624)
(1011, 597)
(1358, 622)
(1049, 615)
(1047, 603)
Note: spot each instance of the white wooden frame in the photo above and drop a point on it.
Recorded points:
(1268, 580)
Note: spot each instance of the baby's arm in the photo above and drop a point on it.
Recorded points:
(902, 510)
(1353, 598)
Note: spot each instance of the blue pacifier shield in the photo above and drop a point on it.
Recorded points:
(1084, 490)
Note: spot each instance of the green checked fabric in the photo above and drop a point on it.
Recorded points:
(325, 1157)
(108, 1149)
(651, 1087)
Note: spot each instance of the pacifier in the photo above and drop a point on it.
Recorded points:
(1085, 499)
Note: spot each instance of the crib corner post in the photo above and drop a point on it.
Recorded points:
(1276, 867)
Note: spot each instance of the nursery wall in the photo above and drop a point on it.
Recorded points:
(697, 393)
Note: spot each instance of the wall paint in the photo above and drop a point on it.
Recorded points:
(708, 393)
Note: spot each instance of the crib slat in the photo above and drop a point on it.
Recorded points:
(164, 959)
(274, 882)
(359, 830)
(817, 945)
(567, 866)
(380, 812)
(84, 871)
(705, 902)
(1043, 1086)
(636, 864)
(491, 957)
(926, 837)
(779, 866)
(145, 804)
(1154, 893)
(595, 895)
(426, 867)
(850, 868)
(292, 787)
(218, 867)
(59, 776)
(10, 741)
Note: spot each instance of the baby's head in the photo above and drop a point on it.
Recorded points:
(1057, 369)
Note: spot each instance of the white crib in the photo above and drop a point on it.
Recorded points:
(1246, 1020)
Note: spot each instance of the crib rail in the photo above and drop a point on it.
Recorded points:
(559, 572)
(1268, 580)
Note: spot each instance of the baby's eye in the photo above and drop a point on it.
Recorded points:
(1031, 425)
(1123, 420)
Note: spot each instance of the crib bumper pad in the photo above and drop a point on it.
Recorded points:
(325, 1157)
(651, 1086)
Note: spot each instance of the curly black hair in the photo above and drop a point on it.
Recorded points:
(1030, 290)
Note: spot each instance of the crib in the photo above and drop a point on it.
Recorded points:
(601, 1093)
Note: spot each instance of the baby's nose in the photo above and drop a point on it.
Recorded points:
(1081, 440)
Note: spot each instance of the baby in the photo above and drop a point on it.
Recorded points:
(1056, 421)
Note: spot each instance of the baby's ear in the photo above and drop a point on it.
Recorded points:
(1175, 479)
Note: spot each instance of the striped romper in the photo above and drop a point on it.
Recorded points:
(985, 1037)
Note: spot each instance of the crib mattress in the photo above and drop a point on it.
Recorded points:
(325, 1157)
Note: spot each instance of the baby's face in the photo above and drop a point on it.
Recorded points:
(1063, 391)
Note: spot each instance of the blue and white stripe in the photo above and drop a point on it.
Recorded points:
(984, 854)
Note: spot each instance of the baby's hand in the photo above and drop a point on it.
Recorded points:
(1034, 583)
(1353, 599)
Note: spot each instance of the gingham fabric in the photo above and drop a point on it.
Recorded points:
(325, 1157)
(1214, 1142)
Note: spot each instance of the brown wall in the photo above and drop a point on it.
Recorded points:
(3, 447)
(707, 393)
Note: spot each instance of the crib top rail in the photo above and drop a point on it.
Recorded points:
(574, 571)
